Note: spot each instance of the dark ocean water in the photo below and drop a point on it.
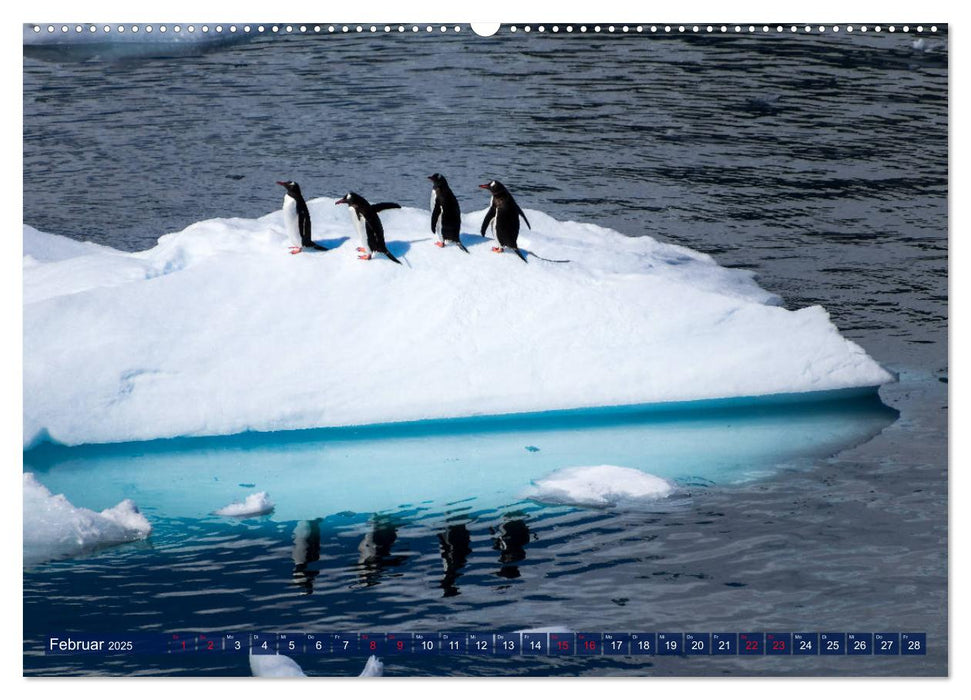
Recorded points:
(818, 161)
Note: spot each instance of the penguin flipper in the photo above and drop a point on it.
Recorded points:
(524, 217)
(381, 206)
(488, 217)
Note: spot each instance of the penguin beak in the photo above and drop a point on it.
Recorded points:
(485, 187)
(342, 200)
(281, 183)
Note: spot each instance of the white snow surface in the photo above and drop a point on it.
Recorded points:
(218, 330)
(54, 528)
(252, 505)
(599, 487)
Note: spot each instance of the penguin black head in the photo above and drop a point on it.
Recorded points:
(495, 187)
(351, 199)
(438, 180)
(291, 186)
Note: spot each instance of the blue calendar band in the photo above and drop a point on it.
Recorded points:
(500, 643)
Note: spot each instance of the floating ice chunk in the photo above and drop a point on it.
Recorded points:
(274, 666)
(373, 667)
(599, 487)
(54, 528)
(255, 504)
(211, 332)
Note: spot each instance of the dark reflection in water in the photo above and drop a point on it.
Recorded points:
(510, 538)
(375, 551)
(454, 544)
(306, 550)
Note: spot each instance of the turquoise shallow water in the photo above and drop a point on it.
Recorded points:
(488, 461)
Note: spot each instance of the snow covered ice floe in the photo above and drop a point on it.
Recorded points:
(217, 330)
(599, 487)
(54, 528)
(253, 505)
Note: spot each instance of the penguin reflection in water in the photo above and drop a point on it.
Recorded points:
(306, 550)
(446, 215)
(455, 549)
(504, 216)
(511, 538)
(375, 552)
(296, 219)
(368, 225)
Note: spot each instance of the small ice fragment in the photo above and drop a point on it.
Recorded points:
(274, 666)
(373, 667)
(255, 504)
(599, 487)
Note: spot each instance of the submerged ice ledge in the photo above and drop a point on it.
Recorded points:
(217, 330)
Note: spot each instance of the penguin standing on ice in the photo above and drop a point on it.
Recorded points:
(368, 225)
(446, 215)
(296, 219)
(504, 215)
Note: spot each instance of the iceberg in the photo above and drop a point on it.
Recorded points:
(54, 528)
(217, 330)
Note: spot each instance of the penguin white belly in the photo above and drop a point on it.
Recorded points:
(492, 224)
(361, 233)
(290, 223)
(438, 224)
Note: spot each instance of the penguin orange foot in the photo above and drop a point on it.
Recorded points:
(496, 250)
(363, 257)
(439, 244)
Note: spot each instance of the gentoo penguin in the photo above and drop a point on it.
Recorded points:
(296, 219)
(504, 215)
(446, 215)
(368, 225)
